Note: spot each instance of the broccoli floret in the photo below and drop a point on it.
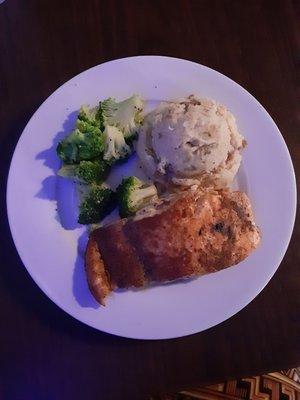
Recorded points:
(92, 145)
(86, 142)
(91, 115)
(87, 114)
(92, 171)
(96, 205)
(115, 147)
(86, 126)
(126, 115)
(86, 171)
(133, 194)
(67, 149)
(99, 116)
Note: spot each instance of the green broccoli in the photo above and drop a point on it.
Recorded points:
(92, 171)
(133, 194)
(86, 142)
(89, 172)
(115, 147)
(92, 115)
(99, 202)
(125, 115)
(67, 149)
(85, 126)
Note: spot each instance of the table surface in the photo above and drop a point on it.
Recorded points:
(46, 354)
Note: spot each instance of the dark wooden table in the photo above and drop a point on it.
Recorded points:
(44, 353)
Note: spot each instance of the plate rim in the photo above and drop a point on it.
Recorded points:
(291, 173)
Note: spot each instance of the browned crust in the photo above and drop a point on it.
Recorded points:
(119, 257)
(95, 271)
(159, 242)
(193, 234)
(198, 234)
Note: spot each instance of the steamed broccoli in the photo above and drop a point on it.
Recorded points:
(85, 126)
(125, 115)
(96, 205)
(94, 171)
(133, 194)
(84, 143)
(91, 115)
(115, 147)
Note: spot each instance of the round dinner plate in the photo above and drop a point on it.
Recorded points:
(42, 207)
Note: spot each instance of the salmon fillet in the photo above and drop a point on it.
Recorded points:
(184, 235)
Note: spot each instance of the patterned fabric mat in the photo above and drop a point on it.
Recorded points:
(283, 385)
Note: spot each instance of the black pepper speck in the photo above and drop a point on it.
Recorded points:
(219, 227)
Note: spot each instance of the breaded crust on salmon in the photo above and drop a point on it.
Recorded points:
(185, 235)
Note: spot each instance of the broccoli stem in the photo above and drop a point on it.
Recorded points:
(140, 195)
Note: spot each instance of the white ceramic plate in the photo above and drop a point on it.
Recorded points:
(53, 254)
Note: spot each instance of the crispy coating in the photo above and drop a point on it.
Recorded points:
(97, 278)
(119, 256)
(190, 234)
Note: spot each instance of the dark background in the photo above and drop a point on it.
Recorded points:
(44, 353)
